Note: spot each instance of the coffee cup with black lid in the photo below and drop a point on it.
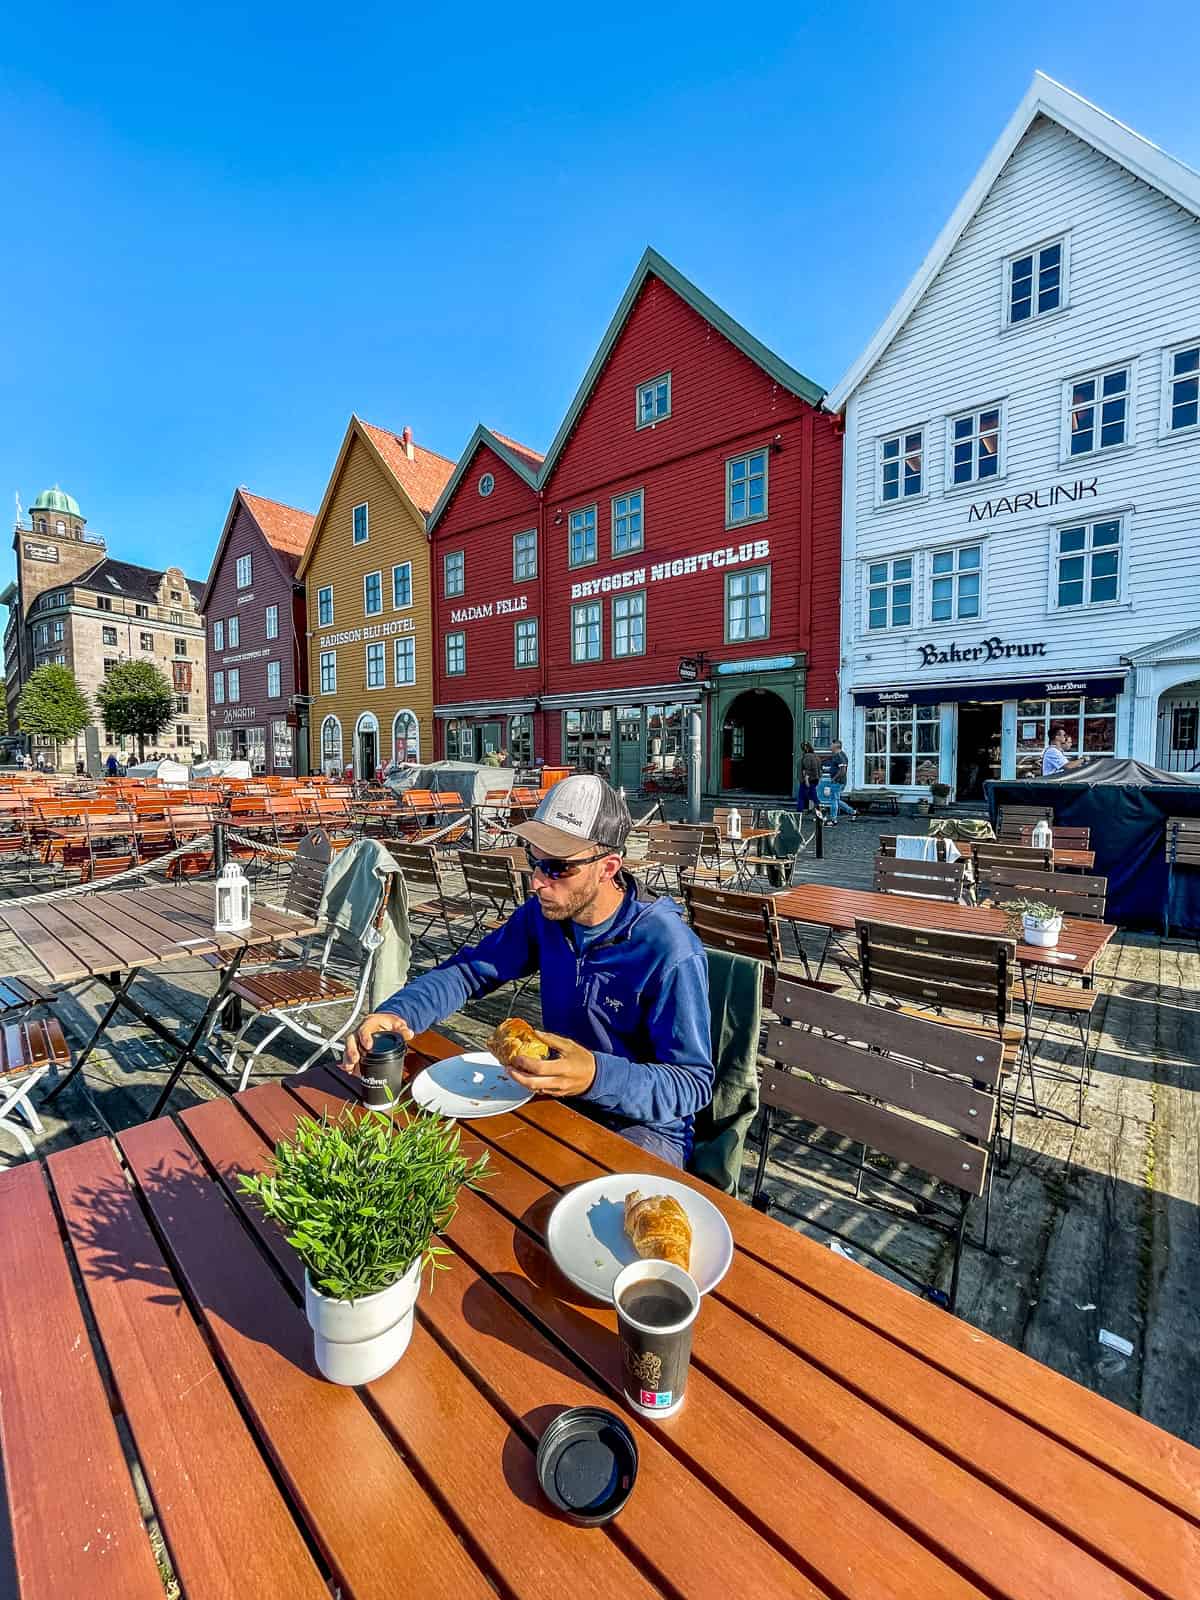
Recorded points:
(657, 1305)
(382, 1071)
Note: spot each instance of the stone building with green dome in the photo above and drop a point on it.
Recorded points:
(72, 603)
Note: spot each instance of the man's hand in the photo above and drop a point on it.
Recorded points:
(378, 1022)
(571, 1071)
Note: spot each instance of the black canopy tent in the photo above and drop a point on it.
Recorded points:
(1125, 804)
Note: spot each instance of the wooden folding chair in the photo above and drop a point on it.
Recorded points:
(1064, 838)
(930, 880)
(914, 1090)
(425, 871)
(1010, 820)
(28, 1051)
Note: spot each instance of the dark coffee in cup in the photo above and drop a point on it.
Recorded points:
(382, 1071)
(657, 1304)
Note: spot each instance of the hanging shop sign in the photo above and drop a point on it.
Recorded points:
(993, 649)
(1036, 500)
(378, 630)
(689, 669)
(491, 608)
(730, 555)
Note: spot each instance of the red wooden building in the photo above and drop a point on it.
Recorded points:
(684, 524)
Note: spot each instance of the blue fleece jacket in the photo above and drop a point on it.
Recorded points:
(637, 998)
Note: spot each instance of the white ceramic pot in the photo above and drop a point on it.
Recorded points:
(357, 1341)
(1041, 933)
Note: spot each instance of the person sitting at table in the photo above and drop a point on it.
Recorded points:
(1054, 757)
(624, 979)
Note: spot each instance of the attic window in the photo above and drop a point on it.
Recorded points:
(1036, 282)
(175, 595)
(486, 484)
(110, 579)
(654, 401)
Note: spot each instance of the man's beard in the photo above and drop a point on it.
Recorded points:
(578, 901)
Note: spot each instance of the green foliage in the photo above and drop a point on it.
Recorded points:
(1016, 910)
(136, 698)
(53, 704)
(940, 791)
(360, 1199)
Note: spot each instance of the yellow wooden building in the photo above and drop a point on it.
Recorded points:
(369, 606)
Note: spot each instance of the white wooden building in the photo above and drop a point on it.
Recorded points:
(1021, 493)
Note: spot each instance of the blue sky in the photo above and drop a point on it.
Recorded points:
(227, 229)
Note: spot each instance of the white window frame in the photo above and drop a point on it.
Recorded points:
(218, 634)
(1064, 281)
(244, 572)
(747, 638)
(218, 683)
(456, 672)
(233, 632)
(583, 511)
(596, 606)
(526, 623)
(640, 595)
(233, 684)
(1165, 431)
(377, 611)
(1086, 607)
(974, 482)
(108, 636)
(900, 435)
(328, 658)
(331, 723)
(402, 605)
(453, 555)
(325, 589)
(525, 577)
(282, 743)
(381, 658)
(271, 621)
(617, 499)
(274, 677)
(643, 388)
(409, 639)
(414, 752)
(366, 523)
(891, 581)
(1097, 375)
(763, 450)
(931, 577)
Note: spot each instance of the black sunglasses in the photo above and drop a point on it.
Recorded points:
(555, 867)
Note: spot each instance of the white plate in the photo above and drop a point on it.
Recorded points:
(471, 1085)
(586, 1233)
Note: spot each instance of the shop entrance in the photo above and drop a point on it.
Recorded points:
(629, 748)
(756, 744)
(979, 735)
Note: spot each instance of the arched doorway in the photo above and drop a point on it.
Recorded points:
(1178, 742)
(366, 746)
(756, 744)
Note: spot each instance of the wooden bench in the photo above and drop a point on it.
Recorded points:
(873, 800)
(920, 1093)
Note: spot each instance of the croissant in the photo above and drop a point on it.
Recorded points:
(514, 1037)
(659, 1228)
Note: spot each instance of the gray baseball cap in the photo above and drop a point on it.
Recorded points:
(577, 812)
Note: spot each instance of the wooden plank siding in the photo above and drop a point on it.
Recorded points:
(395, 534)
(271, 585)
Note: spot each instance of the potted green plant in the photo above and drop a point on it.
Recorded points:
(940, 793)
(360, 1199)
(1040, 924)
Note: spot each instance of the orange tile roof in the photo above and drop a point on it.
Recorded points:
(423, 478)
(534, 457)
(285, 528)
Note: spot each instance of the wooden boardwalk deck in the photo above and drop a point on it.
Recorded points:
(1093, 1228)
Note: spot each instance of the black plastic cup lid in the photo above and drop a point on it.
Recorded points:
(587, 1462)
(386, 1045)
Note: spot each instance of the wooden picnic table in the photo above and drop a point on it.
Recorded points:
(1083, 860)
(116, 935)
(1079, 944)
(840, 1437)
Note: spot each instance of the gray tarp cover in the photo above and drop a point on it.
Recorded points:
(466, 778)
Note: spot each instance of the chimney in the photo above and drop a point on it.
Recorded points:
(406, 439)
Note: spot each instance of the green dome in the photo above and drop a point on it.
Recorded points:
(55, 500)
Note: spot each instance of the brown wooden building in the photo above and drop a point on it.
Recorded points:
(257, 654)
(369, 608)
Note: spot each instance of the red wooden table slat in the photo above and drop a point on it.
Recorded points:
(366, 1510)
(228, 1531)
(1155, 1460)
(77, 1530)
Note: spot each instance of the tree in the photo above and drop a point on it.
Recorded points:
(52, 704)
(136, 698)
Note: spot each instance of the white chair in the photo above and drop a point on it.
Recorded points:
(28, 1051)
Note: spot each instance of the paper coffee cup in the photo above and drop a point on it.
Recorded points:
(656, 1303)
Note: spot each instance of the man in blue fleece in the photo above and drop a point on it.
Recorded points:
(624, 979)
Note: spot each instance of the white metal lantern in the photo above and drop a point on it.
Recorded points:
(231, 910)
(1043, 836)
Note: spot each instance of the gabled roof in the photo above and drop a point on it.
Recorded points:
(285, 529)
(135, 583)
(420, 479)
(1045, 98)
(523, 461)
(652, 264)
